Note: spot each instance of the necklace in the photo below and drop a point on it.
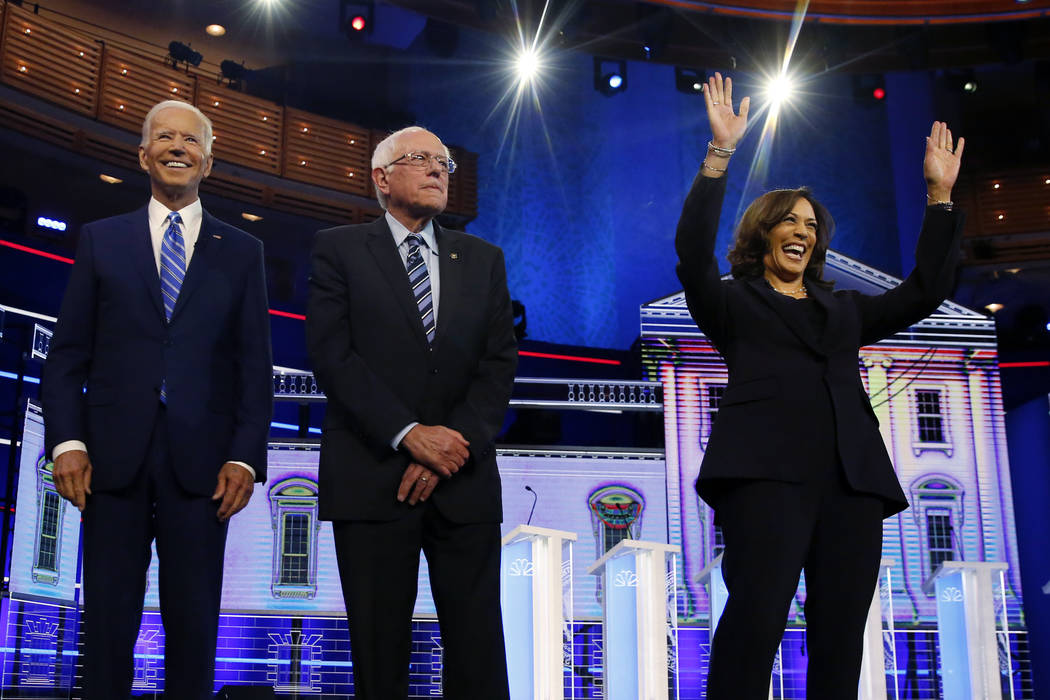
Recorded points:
(790, 292)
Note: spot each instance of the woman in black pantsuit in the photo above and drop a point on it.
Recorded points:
(795, 467)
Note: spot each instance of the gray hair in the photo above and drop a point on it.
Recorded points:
(147, 123)
(386, 151)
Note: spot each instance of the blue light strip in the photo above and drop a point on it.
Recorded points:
(290, 426)
(12, 375)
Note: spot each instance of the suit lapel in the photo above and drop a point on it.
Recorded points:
(143, 258)
(451, 268)
(380, 244)
(204, 253)
(833, 314)
(757, 285)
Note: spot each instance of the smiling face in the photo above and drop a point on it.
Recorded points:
(174, 156)
(791, 243)
(414, 193)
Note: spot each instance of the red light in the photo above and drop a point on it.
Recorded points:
(878, 93)
(358, 23)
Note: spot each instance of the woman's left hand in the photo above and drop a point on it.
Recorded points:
(941, 165)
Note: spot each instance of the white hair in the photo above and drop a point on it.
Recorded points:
(147, 123)
(387, 149)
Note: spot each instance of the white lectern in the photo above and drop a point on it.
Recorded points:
(880, 651)
(536, 596)
(639, 619)
(966, 627)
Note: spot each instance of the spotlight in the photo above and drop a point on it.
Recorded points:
(528, 65)
(234, 73)
(779, 89)
(869, 89)
(215, 30)
(610, 75)
(182, 53)
(356, 18)
(961, 80)
(689, 81)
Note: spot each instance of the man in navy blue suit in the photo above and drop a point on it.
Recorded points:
(157, 399)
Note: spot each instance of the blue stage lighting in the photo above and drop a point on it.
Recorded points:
(610, 75)
(54, 224)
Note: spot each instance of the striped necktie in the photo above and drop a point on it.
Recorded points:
(172, 272)
(172, 263)
(419, 278)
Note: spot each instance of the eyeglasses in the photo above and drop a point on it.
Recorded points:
(422, 160)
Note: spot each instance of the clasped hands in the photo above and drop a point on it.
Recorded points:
(437, 453)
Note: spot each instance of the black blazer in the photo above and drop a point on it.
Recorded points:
(777, 370)
(113, 338)
(372, 360)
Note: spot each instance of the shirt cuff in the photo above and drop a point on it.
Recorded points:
(242, 464)
(67, 446)
(396, 442)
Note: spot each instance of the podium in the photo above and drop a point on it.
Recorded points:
(639, 619)
(536, 597)
(880, 651)
(967, 627)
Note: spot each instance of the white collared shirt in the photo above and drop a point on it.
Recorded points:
(158, 223)
(430, 253)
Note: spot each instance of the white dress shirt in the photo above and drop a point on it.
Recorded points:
(430, 253)
(191, 215)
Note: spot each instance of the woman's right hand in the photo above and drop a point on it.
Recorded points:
(727, 128)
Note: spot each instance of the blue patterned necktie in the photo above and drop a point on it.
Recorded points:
(172, 263)
(419, 278)
(172, 272)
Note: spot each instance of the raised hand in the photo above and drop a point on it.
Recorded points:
(727, 128)
(941, 165)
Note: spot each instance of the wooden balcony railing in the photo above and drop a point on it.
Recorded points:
(117, 86)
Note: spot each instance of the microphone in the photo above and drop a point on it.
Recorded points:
(535, 498)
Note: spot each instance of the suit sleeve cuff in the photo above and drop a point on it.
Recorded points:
(67, 446)
(242, 464)
(396, 442)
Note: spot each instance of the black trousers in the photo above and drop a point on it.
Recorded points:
(773, 531)
(379, 570)
(119, 527)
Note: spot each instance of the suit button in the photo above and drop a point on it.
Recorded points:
(167, 342)
(434, 371)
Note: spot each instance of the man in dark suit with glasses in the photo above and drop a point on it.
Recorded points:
(410, 330)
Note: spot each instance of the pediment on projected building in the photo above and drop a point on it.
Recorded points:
(952, 324)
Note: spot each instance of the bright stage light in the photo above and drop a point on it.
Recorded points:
(779, 89)
(528, 64)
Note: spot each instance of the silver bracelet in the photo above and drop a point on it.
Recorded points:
(711, 167)
(946, 204)
(719, 150)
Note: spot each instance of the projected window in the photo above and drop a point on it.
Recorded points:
(616, 515)
(50, 508)
(293, 515)
(930, 427)
(937, 505)
(712, 400)
(939, 536)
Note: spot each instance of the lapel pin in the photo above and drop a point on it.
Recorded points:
(454, 256)
(215, 235)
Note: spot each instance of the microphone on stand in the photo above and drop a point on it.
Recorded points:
(535, 498)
